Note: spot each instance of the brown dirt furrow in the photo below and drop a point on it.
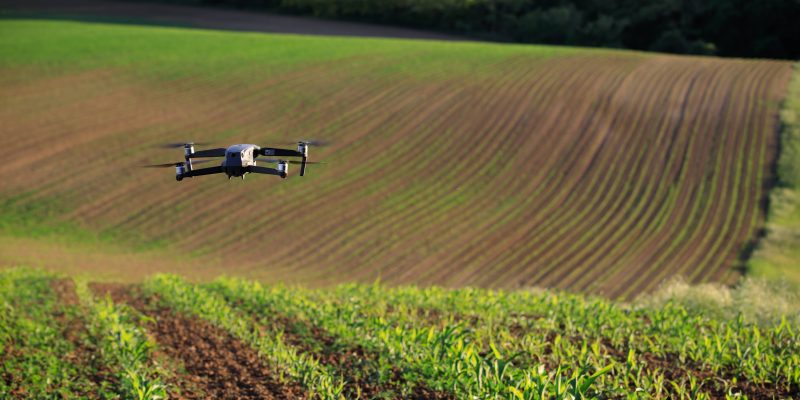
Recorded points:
(539, 219)
(201, 103)
(244, 110)
(390, 175)
(290, 208)
(614, 235)
(598, 205)
(647, 194)
(216, 364)
(347, 190)
(729, 146)
(678, 146)
(702, 154)
(747, 239)
(750, 192)
(429, 207)
(484, 184)
(478, 238)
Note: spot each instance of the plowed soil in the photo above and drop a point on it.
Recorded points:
(216, 365)
(453, 164)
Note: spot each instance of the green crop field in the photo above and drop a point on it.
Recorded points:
(166, 336)
(455, 164)
(493, 221)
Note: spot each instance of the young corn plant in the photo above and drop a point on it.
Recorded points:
(448, 358)
(125, 346)
(318, 381)
(32, 346)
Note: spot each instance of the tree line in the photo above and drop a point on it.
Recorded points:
(744, 28)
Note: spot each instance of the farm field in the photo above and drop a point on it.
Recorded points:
(236, 338)
(452, 164)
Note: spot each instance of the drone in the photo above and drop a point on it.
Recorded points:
(239, 160)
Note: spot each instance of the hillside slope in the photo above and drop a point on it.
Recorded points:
(455, 164)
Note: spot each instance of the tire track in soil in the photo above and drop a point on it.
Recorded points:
(73, 328)
(220, 366)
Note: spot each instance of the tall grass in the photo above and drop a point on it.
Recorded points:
(758, 300)
(778, 255)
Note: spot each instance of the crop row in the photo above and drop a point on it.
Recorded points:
(662, 345)
(370, 341)
(55, 347)
(35, 354)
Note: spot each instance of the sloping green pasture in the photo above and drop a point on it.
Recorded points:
(455, 164)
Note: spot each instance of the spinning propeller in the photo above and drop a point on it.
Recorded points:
(175, 164)
(179, 145)
(307, 142)
(274, 161)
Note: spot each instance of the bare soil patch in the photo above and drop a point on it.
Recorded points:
(219, 365)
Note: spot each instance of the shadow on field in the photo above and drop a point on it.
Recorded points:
(144, 13)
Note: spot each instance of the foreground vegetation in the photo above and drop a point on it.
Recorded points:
(370, 341)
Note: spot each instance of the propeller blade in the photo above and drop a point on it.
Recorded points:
(270, 160)
(167, 165)
(179, 145)
(317, 142)
(175, 164)
(310, 142)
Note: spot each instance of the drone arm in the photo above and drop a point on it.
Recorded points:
(267, 151)
(203, 171)
(264, 170)
(220, 152)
